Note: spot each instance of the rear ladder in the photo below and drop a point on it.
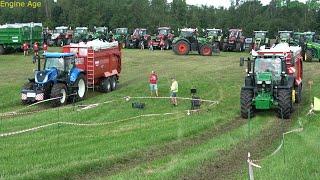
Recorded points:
(90, 69)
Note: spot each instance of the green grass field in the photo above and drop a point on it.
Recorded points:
(211, 144)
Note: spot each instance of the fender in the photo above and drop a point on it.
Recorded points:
(74, 74)
(108, 74)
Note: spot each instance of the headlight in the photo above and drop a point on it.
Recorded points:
(259, 82)
(268, 82)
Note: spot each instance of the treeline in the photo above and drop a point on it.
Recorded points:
(248, 15)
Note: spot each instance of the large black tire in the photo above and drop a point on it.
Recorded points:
(68, 41)
(113, 82)
(238, 47)
(27, 86)
(2, 50)
(308, 55)
(58, 90)
(284, 103)
(225, 46)
(246, 97)
(59, 42)
(182, 48)
(105, 85)
(81, 87)
(206, 50)
(298, 90)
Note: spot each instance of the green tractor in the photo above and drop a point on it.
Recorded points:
(188, 40)
(100, 33)
(216, 37)
(312, 48)
(82, 34)
(121, 35)
(273, 80)
(260, 39)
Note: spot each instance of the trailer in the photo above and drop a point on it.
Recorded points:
(68, 76)
(12, 36)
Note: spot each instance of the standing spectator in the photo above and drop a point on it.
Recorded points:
(153, 79)
(174, 91)
(25, 48)
(141, 45)
(161, 44)
(36, 48)
(44, 47)
(150, 44)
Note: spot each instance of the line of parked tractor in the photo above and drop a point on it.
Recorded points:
(205, 41)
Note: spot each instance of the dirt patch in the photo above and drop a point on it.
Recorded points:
(131, 160)
(233, 160)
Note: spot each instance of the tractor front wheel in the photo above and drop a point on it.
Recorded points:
(246, 98)
(105, 85)
(225, 47)
(285, 103)
(81, 87)
(182, 48)
(308, 55)
(58, 94)
(206, 50)
(238, 47)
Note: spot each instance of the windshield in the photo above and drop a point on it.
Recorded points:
(142, 32)
(100, 29)
(233, 33)
(309, 37)
(260, 35)
(121, 31)
(272, 65)
(61, 30)
(213, 33)
(163, 31)
(285, 35)
(186, 33)
(80, 31)
(59, 63)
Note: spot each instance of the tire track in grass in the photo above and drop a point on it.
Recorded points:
(133, 159)
(233, 160)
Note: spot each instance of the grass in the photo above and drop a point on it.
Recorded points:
(158, 147)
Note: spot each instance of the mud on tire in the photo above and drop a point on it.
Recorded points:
(285, 103)
(246, 97)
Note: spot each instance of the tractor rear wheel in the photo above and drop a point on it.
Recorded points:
(246, 97)
(308, 55)
(81, 87)
(2, 49)
(285, 103)
(298, 90)
(105, 85)
(238, 47)
(58, 91)
(206, 50)
(182, 48)
(113, 82)
(225, 47)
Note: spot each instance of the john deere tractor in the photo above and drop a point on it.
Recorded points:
(312, 48)
(189, 41)
(260, 39)
(285, 37)
(100, 33)
(59, 80)
(273, 80)
(121, 35)
(216, 37)
(235, 41)
(82, 34)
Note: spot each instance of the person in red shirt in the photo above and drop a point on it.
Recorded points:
(153, 79)
(25, 48)
(35, 48)
(161, 44)
(44, 47)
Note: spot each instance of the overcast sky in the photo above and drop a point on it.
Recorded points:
(218, 3)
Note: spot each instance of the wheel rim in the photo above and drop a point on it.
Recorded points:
(108, 86)
(182, 48)
(81, 88)
(64, 95)
(206, 51)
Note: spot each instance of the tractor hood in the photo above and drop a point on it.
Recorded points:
(45, 76)
(264, 77)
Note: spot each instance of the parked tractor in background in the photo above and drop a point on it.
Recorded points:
(138, 38)
(284, 37)
(67, 76)
(61, 36)
(100, 33)
(82, 34)
(13, 36)
(273, 80)
(260, 39)
(163, 34)
(234, 41)
(121, 35)
(215, 36)
(188, 40)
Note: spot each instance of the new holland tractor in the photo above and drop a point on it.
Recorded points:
(260, 39)
(312, 48)
(121, 35)
(188, 40)
(273, 80)
(59, 79)
(215, 36)
(235, 41)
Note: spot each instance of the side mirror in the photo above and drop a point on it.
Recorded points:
(241, 61)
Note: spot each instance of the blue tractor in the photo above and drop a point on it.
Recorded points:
(59, 80)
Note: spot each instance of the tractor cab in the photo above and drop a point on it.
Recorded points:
(234, 34)
(260, 39)
(310, 36)
(234, 41)
(121, 31)
(165, 31)
(190, 34)
(100, 33)
(214, 34)
(284, 36)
